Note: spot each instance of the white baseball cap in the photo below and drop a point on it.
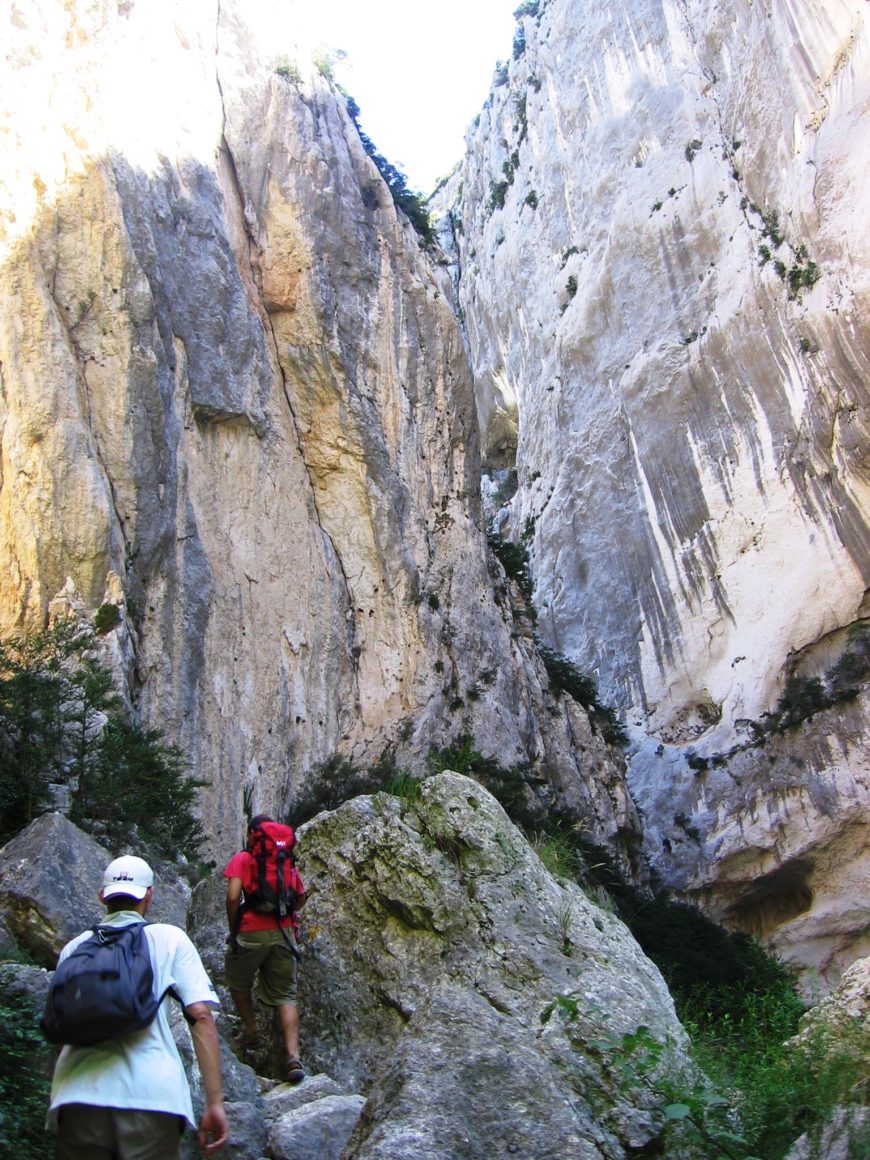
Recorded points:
(127, 875)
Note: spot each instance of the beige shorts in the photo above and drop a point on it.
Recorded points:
(263, 955)
(85, 1132)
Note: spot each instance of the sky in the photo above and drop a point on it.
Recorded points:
(419, 73)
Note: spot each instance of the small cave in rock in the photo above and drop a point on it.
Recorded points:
(774, 899)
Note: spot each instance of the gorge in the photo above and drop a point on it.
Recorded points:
(243, 404)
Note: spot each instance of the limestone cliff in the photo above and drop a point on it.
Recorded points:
(660, 246)
(235, 403)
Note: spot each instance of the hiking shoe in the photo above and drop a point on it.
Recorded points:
(249, 1042)
(295, 1071)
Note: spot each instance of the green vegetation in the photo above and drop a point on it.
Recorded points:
(689, 1108)
(508, 488)
(755, 1092)
(289, 70)
(323, 62)
(497, 193)
(61, 723)
(338, 780)
(557, 854)
(514, 558)
(692, 149)
(565, 677)
(522, 118)
(413, 205)
(803, 697)
(803, 272)
(25, 1080)
(777, 1089)
(509, 786)
(571, 290)
(106, 618)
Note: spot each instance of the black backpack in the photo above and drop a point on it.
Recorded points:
(102, 989)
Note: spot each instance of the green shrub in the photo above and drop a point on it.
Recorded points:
(520, 103)
(565, 677)
(508, 784)
(497, 193)
(32, 723)
(107, 617)
(135, 779)
(557, 853)
(514, 558)
(772, 228)
(412, 204)
(803, 274)
(337, 780)
(508, 489)
(778, 1086)
(289, 70)
(802, 697)
(323, 62)
(25, 1081)
(60, 722)
(404, 785)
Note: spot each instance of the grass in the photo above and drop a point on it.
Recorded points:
(740, 1005)
(556, 853)
(778, 1086)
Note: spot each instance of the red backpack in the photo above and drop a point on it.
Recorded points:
(273, 885)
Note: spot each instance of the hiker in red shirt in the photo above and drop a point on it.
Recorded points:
(264, 892)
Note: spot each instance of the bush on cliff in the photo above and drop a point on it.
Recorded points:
(61, 724)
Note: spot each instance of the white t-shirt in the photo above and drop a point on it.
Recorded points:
(141, 1071)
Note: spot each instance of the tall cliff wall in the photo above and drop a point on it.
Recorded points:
(663, 264)
(235, 402)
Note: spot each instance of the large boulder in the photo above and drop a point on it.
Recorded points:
(437, 945)
(50, 877)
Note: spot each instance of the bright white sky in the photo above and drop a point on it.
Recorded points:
(419, 72)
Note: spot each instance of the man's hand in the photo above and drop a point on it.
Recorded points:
(213, 1129)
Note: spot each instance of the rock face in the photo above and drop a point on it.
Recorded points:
(236, 404)
(50, 877)
(662, 262)
(437, 943)
(438, 947)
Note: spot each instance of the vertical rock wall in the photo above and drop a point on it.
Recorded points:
(664, 269)
(235, 401)
(622, 199)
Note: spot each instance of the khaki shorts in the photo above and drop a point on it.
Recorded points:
(95, 1133)
(264, 955)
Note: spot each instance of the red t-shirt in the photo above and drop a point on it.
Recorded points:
(244, 866)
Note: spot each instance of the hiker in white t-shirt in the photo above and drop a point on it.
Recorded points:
(128, 1098)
